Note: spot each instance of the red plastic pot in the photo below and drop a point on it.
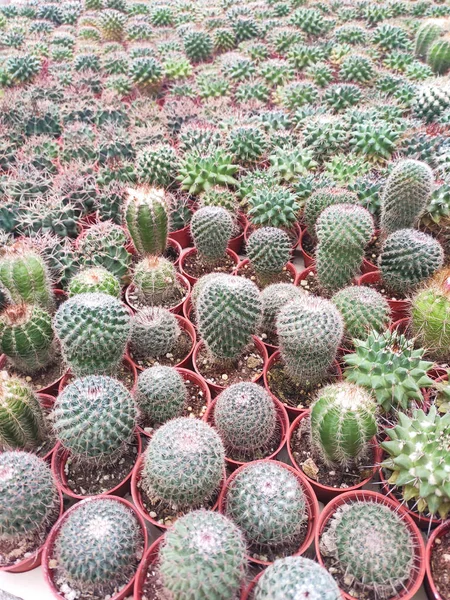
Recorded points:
(295, 230)
(129, 364)
(313, 506)
(187, 309)
(49, 546)
(289, 267)
(182, 236)
(307, 258)
(183, 281)
(193, 251)
(325, 493)
(150, 558)
(129, 246)
(215, 388)
(50, 389)
(418, 571)
(430, 586)
(399, 308)
(283, 427)
(236, 244)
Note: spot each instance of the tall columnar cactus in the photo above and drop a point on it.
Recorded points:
(407, 258)
(228, 314)
(419, 460)
(161, 394)
(29, 499)
(184, 463)
(94, 418)
(147, 218)
(154, 332)
(310, 330)
(267, 502)
(93, 330)
(81, 541)
(212, 229)
(343, 231)
(342, 423)
(296, 577)
(405, 195)
(92, 280)
(321, 199)
(155, 279)
(27, 338)
(363, 310)
(268, 250)
(246, 419)
(203, 557)
(273, 298)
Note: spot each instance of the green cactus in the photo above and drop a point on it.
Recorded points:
(161, 394)
(211, 229)
(268, 250)
(199, 173)
(155, 165)
(426, 34)
(363, 310)
(274, 206)
(273, 298)
(184, 463)
(247, 144)
(321, 199)
(93, 330)
(357, 69)
(154, 332)
(146, 73)
(430, 102)
(198, 46)
(155, 280)
(103, 245)
(92, 280)
(439, 55)
(146, 215)
(112, 24)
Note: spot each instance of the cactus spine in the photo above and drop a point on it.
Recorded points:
(212, 229)
(147, 219)
(363, 310)
(268, 250)
(161, 394)
(154, 332)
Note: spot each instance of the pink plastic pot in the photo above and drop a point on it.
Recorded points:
(289, 267)
(129, 364)
(49, 548)
(295, 230)
(193, 251)
(150, 558)
(176, 309)
(182, 236)
(430, 586)
(399, 308)
(236, 244)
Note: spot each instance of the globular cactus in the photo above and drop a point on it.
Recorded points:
(363, 310)
(431, 101)
(407, 258)
(273, 298)
(155, 280)
(93, 330)
(92, 280)
(426, 34)
(22, 423)
(184, 463)
(211, 228)
(439, 55)
(406, 195)
(27, 338)
(272, 205)
(29, 499)
(103, 245)
(321, 199)
(310, 330)
(81, 542)
(161, 394)
(268, 250)
(94, 418)
(228, 314)
(268, 503)
(342, 423)
(200, 284)
(372, 544)
(147, 219)
(154, 332)
(343, 231)
(419, 460)
(246, 419)
(202, 557)
(296, 578)
(24, 276)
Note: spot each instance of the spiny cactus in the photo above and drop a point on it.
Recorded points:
(439, 55)
(155, 165)
(407, 258)
(161, 394)
(310, 330)
(184, 463)
(405, 195)
(274, 206)
(147, 219)
(203, 557)
(198, 46)
(92, 280)
(363, 310)
(430, 102)
(212, 229)
(273, 298)
(268, 250)
(426, 34)
(103, 245)
(228, 314)
(199, 173)
(154, 332)
(93, 330)
(112, 24)
(155, 279)
(321, 199)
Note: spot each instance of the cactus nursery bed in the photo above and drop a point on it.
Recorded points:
(225, 300)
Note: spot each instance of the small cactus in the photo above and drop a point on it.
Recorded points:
(268, 250)
(363, 310)
(211, 228)
(161, 394)
(321, 199)
(154, 332)
(439, 55)
(92, 280)
(155, 280)
(147, 219)
(273, 298)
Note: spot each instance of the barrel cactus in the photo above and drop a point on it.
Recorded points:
(273, 298)
(155, 280)
(273, 206)
(92, 280)
(211, 228)
(321, 199)
(268, 250)
(147, 219)
(154, 332)
(439, 55)
(161, 394)
(363, 310)
(426, 34)
(103, 245)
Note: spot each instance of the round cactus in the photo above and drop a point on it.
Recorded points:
(268, 250)
(184, 463)
(95, 279)
(439, 55)
(363, 310)
(212, 229)
(154, 332)
(147, 219)
(321, 199)
(246, 419)
(200, 284)
(155, 279)
(426, 34)
(93, 330)
(202, 557)
(273, 298)
(161, 394)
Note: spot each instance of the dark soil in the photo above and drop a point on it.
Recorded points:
(382, 289)
(196, 268)
(248, 272)
(181, 349)
(42, 379)
(310, 284)
(373, 250)
(123, 374)
(269, 338)
(171, 253)
(178, 295)
(308, 245)
(440, 565)
(246, 368)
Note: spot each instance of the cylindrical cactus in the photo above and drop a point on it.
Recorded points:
(155, 279)
(93, 330)
(92, 280)
(211, 228)
(363, 310)
(146, 215)
(161, 394)
(154, 332)
(268, 250)
(426, 34)
(439, 55)
(273, 298)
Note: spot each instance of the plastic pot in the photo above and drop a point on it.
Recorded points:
(49, 546)
(289, 267)
(296, 232)
(312, 506)
(193, 251)
(236, 244)
(171, 243)
(128, 363)
(176, 309)
(182, 236)
(307, 258)
(50, 389)
(399, 308)
(430, 586)
(149, 559)
(326, 493)
(418, 571)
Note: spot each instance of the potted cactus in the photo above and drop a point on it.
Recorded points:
(437, 573)
(273, 298)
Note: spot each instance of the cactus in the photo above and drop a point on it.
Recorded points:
(111, 24)
(198, 46)
(155, 165)
(363, 310)
(343, 231)
(273, 298)
(321, 199)
(202, 558)
(29, 499)
(22, 422)
(81, 541)
(372, 544)
(294, 578)
(357, 69)
(155, 280)
(405, 195)
(27, 338)
(154, 332)
(268, 250)
(212, 229)
(342, 423)
(407, 258)
(93, 330)
(103, 245)
(199, 173)
(268, 503)
(426, 34)
(147, 219)
(92, 280)
(439, 55)
(388, 365)
(228, 314)
(184, 463)
(419, 460)
(161, 394)
(310, 330)
(274, 206)
(430, 102)
(246, 419)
